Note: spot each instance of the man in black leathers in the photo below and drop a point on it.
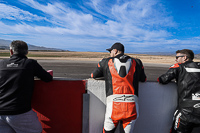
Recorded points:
(187, 75)
(16, 89)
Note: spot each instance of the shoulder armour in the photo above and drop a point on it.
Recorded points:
(175, 65)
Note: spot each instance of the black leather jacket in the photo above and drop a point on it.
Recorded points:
(17, 83)
(187, 76)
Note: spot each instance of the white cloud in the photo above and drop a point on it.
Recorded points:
(61, 14)
(14, 13)
(140, 22)
(5, 29)
(130, 20)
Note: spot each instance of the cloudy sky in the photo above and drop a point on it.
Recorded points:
(94, 25)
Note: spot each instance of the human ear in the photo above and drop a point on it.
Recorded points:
(11, 52)
(185, 58)
(115, 51)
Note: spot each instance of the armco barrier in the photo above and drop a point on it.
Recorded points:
(157, 104)
(63, 106)
(59, 105)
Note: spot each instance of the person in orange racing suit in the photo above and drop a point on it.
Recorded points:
(187, 75)
(122, 75)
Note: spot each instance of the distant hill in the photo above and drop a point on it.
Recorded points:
(4, 45)
(157, 53)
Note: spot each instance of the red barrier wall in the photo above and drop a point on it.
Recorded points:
(59, 105)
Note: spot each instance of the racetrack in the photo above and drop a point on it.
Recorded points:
(76, 69)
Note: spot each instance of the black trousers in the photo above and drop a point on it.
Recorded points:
(185, 120)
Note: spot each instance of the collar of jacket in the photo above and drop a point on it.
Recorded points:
(18, 56)
(187, 62)
(117, 56)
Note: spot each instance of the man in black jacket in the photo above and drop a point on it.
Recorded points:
(122, 75)
(187, 75)
(16, 89)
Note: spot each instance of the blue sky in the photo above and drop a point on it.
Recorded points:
(94, 25)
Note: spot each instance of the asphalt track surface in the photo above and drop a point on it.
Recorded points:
(79, 70)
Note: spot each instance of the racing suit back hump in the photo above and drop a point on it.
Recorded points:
(122, 74)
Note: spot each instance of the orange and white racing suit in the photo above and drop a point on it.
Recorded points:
(122, 75)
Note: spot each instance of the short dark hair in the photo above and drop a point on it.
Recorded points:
(19, 47)
(189, 53)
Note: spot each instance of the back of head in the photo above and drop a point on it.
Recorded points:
(189, 53)
(117, 46)
(19, 47)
